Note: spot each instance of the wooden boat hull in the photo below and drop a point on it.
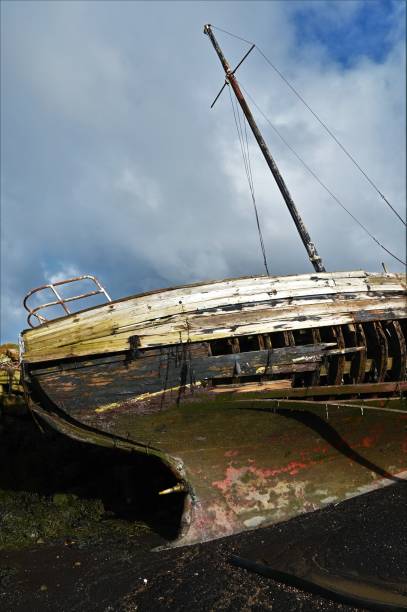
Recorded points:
(216, 384)
(244, 465)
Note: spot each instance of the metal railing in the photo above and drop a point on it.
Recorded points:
(61, 301)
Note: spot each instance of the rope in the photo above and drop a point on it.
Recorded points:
(316, 177)
(320, 121)
(244, 147)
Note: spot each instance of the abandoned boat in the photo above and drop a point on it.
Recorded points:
(262, 397)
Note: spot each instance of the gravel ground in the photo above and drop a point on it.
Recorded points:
(366, 536)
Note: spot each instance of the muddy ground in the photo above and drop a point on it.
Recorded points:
(74, 536)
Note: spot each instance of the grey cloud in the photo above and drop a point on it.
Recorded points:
(114, 164)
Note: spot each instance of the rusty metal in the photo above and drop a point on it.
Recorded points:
(178, 488)
(302, 230)
(61, 301)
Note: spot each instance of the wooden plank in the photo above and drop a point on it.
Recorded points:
(137, 311)
(366, 389)
(102, 383)
(230, 314)
(201, 330)
(162, 321)
(146, 307)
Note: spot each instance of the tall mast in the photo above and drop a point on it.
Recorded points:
(302, 230)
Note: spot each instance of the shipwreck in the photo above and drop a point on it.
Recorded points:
(261, 397)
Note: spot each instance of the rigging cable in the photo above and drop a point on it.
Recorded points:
(244, 147)
(316, 177)
(322, 123)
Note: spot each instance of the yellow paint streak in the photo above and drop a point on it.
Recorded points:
(145, 396)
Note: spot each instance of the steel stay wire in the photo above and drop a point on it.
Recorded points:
(316, 177)
(322, 123)
(244, 147)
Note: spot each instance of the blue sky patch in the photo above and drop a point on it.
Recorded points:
(350, 30)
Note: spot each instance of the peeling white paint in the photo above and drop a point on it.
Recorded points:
(255, 521)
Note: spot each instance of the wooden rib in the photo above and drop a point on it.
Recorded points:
(316, 376)
(377, 350)
(383, 352)
(340, 360)
(358, 367)
(329, 367)
(267, 341)
(262, 344)
(397, 350)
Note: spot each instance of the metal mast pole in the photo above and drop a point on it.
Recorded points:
(302, 230)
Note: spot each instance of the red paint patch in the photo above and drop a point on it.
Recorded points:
(320, 449)
(368, 441)
(234, 475)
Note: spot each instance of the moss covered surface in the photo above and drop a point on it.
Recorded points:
(28, 518)
(53, 489)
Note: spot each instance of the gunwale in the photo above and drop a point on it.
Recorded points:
(220, 308)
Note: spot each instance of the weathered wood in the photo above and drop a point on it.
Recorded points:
(384, 351)
(398, 350)
(366, 389)
(218, 310)
(340, 361)
(358, 369)
(103, 382)
(376, 351)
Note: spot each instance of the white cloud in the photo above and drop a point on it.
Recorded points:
(67, 271)
(140, 188)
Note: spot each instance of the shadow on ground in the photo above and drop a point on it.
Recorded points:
(52, 487)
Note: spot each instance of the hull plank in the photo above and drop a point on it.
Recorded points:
(215, 310)
(98, 383)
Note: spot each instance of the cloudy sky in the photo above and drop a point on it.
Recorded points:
(113, 163)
